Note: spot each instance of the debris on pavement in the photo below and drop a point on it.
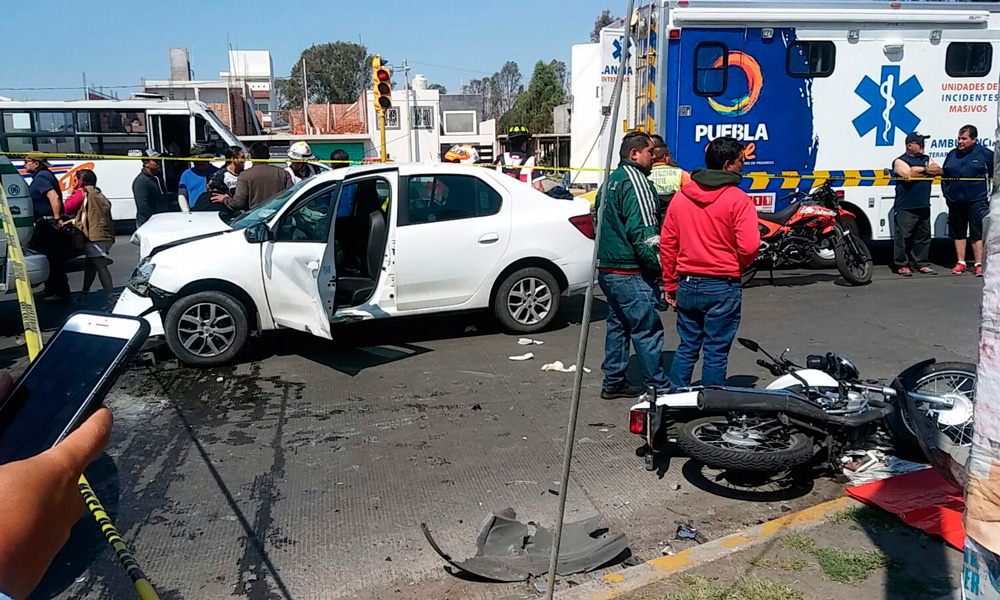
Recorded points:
(562, 368)
(687, 532)
(219, 379)
(471, 329)
(529, 342)
(865, 466)
(526, 356)
(668, 550)
(506, 550)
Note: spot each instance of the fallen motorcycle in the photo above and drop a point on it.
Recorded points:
(813, 229)
(812, 414)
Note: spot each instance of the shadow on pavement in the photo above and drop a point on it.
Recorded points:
(748, 487)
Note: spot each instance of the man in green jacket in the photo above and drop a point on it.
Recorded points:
(628, 270)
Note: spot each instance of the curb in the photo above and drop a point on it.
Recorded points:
(630, 579)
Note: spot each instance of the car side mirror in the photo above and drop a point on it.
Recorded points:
(257, 233)
(750, 345)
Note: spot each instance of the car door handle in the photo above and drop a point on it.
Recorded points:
(313, 266)
(489, 238)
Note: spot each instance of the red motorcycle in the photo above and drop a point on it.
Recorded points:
(813, 229)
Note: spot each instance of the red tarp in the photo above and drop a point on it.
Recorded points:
(922, 499)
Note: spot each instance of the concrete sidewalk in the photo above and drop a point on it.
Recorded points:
(856, 552)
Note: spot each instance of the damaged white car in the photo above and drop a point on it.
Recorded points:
(365, 242)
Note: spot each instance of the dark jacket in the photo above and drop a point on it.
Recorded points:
(150, 196)
(257, 185)
(977, 163)
(630, 236)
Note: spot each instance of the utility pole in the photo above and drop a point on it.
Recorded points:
(411, 153)
(85, 94)
(305, 97)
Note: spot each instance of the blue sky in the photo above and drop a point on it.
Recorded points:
(119, 42)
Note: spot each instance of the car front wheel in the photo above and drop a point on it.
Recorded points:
(527, 300)
(207, 328)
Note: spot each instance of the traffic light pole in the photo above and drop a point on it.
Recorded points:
(381, 126)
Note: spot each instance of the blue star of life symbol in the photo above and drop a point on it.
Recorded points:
(887, 102)
(617, 53)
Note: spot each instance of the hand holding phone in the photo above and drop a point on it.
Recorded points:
(67, 382)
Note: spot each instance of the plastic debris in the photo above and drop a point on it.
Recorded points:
(865, 466)
(668, 550)
(562, 368)
(219, 379)
(525, 356)
(687, 532)
(529, 342)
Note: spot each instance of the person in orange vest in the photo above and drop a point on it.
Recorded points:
(517, 162)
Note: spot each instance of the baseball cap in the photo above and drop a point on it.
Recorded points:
(916, 137)
(38, 159)
(150, 153)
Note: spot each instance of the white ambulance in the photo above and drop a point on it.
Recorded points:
(21, 210)
(812, 89)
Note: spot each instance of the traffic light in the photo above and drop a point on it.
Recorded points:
(382, 80)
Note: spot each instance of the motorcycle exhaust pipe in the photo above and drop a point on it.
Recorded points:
(746, 401)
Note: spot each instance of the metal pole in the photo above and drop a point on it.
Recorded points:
(305, 98)
(409, 126)
(588, 306)
(85, 94)
(381, 123)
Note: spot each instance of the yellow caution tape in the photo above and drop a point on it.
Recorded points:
(759, 181)
(33, 339)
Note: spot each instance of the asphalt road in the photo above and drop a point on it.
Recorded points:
(305, 471)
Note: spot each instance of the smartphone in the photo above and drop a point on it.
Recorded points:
(67, 381)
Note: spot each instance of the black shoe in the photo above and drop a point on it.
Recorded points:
(625, 391)
(56, 299)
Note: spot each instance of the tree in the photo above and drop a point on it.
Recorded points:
(437, 86)
(336, 73)
(533, 108)
(602, 21)
(508, 85)
(563, 73)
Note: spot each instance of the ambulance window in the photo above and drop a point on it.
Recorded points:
(968, 59)
(711, 68)
(811, 59)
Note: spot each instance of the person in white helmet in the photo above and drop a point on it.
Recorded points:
(298, 168)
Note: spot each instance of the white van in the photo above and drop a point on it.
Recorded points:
(111, 128)
(24, 220)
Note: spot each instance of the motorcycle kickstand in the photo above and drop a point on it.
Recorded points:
(770, 275)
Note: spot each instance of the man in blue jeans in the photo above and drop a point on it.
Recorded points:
(628, 269)
(709, 237)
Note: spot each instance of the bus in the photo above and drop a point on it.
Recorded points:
(111, 128)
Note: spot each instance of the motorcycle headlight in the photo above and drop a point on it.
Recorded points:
(846, 368)
(139, 282)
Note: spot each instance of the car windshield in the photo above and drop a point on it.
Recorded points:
(268, 209)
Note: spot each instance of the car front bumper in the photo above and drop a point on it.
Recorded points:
(134, 305)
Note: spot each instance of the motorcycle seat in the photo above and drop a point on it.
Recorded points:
(783, 216)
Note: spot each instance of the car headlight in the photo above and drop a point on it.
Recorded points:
(139, 282)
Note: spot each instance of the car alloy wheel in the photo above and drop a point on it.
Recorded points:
(529, 301)
(206, 330)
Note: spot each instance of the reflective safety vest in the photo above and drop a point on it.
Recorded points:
(518, 165)
(666, 179)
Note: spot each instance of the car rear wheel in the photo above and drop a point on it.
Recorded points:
(207, 328)
(527, 300)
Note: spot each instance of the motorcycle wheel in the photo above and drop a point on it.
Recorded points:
(825, 256)
(954, 378)
(748, 274)
(748, 444)
(854, 260)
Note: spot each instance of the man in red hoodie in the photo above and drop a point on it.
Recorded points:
(709, 236)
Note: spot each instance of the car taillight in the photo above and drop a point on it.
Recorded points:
(637, 421)
(585, 223)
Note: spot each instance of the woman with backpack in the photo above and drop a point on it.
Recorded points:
(94, 220)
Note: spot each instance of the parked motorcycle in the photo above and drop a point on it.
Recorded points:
(816, 413)
(813, 229)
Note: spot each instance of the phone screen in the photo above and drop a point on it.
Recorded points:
(44, 402)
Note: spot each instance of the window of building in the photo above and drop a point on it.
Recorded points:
(433, 198)
(459, 122)
(264, 108)
(968, 59)
(811, 59)
(711, 68)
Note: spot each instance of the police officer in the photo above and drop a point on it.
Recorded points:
(517, 161)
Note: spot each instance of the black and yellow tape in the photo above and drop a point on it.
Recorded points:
(759, 180)
(33, 340)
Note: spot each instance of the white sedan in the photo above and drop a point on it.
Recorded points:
(366, 242)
